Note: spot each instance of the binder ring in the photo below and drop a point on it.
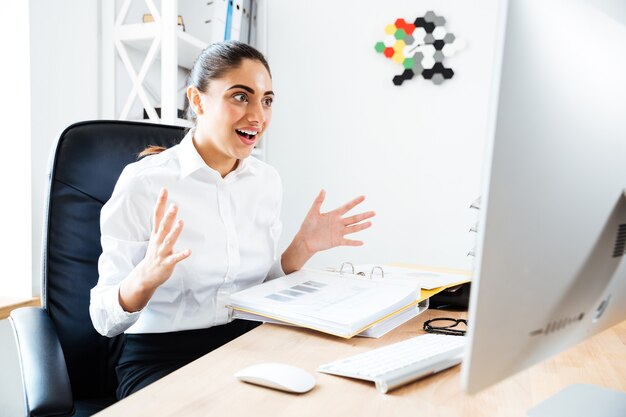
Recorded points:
(344, 264)
(382, 273)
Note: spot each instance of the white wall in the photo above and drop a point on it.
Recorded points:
(65, 79)
(62, 88)
(15, 168)
(11, 393)
(15, 181)
(339, 123)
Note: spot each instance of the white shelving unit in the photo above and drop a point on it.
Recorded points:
(161, 40)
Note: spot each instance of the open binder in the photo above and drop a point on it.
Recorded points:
(342, 304)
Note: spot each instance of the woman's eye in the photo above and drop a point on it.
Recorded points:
(268, 101)
(240, 97)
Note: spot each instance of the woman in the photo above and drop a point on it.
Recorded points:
(165, 283)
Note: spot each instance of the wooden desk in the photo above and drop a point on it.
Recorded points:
(207, 387)
(8, 304)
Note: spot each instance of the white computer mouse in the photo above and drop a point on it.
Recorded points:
(278, 376)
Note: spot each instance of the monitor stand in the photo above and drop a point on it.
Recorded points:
(580, 400)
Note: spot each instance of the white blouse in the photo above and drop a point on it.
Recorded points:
(232, 226)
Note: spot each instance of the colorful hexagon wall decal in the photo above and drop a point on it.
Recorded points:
(421, 47)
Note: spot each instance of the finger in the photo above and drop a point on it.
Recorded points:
(171, 238)
(349, 242)
(159, 209)
(317, 203)
(357, 227)
(166, 223)
(358, 218)
(175, 258)
(350, 205)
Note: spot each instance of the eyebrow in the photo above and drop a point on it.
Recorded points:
(249, 90)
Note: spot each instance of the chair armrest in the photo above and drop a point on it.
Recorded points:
(46, 384)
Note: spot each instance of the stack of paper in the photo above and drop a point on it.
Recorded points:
(342, 305)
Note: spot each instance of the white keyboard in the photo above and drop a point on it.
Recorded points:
(397, 364)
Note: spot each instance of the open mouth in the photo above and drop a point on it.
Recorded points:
(248, 135)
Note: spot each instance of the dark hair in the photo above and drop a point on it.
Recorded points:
(213, 63)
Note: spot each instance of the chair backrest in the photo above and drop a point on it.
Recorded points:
(87, 162)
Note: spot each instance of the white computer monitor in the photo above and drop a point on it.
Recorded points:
(550, 268)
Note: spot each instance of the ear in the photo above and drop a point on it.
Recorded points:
(193, 95)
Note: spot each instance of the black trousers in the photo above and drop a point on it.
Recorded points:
(148, 357)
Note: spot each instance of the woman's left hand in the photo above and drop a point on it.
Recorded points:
(321, 231)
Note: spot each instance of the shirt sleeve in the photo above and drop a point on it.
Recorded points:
(125, 226)
(276, 270)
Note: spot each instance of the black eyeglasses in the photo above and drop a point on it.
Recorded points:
(444, 325)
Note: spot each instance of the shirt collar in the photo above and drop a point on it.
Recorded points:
(191, 161)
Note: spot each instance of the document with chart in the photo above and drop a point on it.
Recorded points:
(343, 305)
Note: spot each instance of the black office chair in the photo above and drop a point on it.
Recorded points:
(67, 367)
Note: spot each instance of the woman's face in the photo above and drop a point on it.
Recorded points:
(236, 110)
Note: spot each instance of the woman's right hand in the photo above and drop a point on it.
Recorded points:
(158, 264)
